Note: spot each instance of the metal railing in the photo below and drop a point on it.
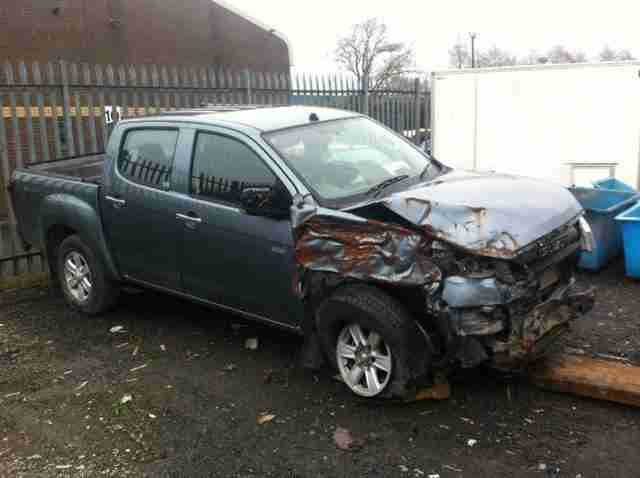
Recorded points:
(57, 110)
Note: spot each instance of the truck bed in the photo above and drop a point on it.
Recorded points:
(86, 168)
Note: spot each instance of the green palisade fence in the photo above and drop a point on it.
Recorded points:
(57, 109)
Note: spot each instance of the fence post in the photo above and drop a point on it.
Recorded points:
(247, 82)
(364, 108)
(66, 109)
(416, 115)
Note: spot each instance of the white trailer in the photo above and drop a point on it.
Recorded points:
(569, 124)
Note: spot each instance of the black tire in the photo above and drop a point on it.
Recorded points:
(374, 310)
(104, 292)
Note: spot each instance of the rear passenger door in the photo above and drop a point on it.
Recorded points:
(228, 256)
(138, 206)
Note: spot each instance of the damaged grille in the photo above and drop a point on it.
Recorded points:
(566, 238)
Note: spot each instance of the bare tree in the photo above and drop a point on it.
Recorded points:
(459, 56)
(495, 56)
(560, 54)
(368, 53)
(609, 54)
(533, 58)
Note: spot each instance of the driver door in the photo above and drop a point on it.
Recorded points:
(228, 256)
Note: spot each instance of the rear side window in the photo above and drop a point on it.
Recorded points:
(147, 157)
(223, 167)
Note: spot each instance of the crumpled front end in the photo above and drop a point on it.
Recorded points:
(533, 334)
(511, 312)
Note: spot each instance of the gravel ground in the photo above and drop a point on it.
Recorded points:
(176, 393)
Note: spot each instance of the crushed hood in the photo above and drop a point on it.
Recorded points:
(490, 214)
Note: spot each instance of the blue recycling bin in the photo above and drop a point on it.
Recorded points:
(602, 206)
(630, 221)
(613, 184)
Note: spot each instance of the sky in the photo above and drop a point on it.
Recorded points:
(313, 27)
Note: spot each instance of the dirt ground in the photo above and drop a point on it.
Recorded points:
(196, 394)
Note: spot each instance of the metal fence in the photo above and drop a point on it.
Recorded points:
(57, 109)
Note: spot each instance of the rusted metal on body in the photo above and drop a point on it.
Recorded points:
(596, 378)
(365, 250)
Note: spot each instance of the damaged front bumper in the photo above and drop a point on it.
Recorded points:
(534, 333)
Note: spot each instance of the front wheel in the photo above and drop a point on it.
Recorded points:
(82, 278)
(372, 341)
(364, 360)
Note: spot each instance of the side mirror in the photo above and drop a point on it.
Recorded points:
(256, 200)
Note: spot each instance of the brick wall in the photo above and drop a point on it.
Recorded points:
(175, 32)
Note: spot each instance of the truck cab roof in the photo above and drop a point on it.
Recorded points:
(255, 117)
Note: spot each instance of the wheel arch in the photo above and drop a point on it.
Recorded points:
(64, 215)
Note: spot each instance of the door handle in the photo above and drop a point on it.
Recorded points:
(191, 219)
(117, 202)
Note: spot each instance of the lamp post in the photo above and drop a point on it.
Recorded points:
(473, 49)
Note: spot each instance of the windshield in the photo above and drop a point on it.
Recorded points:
(344, 159)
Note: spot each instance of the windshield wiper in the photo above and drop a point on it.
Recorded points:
(377, 189)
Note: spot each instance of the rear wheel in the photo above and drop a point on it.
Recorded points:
(82, 277)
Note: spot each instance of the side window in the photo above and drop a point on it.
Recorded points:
(147, 156)
(223, 167)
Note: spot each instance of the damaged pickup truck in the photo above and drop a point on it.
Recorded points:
(391, 265)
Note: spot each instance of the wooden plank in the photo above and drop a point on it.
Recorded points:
(77, 117)
(44, 137)
(15, 125)
(53, 98)
(144, 82)
(93, 135)
(26, 102)
(597, 378)
(101, 104)
(4, 164)
(66, 107)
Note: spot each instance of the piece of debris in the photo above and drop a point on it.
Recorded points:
(116, 329)
(471, 442)
(610, 357)
(611, 380)
(434, 475)
(403, 468)
(542, 466)
(123, 344)
(152, 416)
(467, 420)
(251, 343)
(439, 391)
(452, 468)
(126, 398)
(230, 367)
(13, 394)
(163, 348)
(81, 386)
(419, 472)
(345, 441)
(268, 376)
(67, 372)
(139, 367)
(265, 418)
(63, 467)
(135, 351)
